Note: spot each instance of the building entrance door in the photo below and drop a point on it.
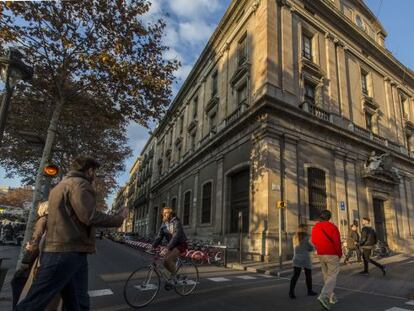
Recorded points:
(239, 201)
(379, 216)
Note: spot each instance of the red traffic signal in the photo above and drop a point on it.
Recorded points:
(51, 170)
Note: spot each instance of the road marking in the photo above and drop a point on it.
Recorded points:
(100, 292)
(219, 279)
(246, 277)
(397, 309)
(406, 263)
(267, 276)
(411, 303)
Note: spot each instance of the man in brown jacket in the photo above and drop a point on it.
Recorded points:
(70, 236)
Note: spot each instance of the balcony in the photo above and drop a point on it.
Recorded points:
(346, 124)
(212, 106)
(192, 127)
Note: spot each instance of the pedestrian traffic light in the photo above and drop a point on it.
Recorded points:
(51, 170)
(281, 204)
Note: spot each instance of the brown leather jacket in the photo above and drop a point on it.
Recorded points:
(73, 216)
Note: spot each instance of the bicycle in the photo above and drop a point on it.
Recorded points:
(143, 285)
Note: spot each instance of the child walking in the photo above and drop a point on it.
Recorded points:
(302, 259)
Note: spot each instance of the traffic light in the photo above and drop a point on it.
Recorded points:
(51, 170)
(281, 204)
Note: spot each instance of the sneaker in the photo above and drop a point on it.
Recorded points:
(312, 293)
(324, 302)
(364, 273)
(333, 300)
(384, 270)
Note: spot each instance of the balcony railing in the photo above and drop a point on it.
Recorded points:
(348, 125)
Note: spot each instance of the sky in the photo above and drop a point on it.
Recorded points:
(190, 24)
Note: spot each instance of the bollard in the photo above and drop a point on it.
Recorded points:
(3, 272)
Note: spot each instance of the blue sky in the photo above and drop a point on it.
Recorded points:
(191, 22)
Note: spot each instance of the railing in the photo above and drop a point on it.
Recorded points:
(349, 125)
(233, 116)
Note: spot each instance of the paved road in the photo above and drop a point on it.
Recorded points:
(222, 289)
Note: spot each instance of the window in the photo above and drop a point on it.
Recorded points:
(409, 143)
(174, 204)
(214, 84)
(187, 206)
(242, 94)
(160, 167)
(359, 22)
(368, 120)
(317, 192)
(195, 107)
(310, 91)
(206, 203)
(242, 51)
(181, 124)
(213, 122)
(364, 83)
(307, 46)
(192, 141)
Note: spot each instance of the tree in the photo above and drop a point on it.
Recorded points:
(16, 197)
(100, 48)
(82, 130)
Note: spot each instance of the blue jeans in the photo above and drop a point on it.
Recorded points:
(64, 273)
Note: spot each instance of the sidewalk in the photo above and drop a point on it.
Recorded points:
(6, 292)
(273, 268)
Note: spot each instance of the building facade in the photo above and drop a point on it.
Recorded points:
(291, 100)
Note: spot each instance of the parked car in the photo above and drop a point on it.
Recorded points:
(131, 236)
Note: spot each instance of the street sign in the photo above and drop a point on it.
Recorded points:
(342, 205)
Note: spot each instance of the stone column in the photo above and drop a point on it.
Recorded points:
(397, 112)
(333, 92)
(291, 185)
(218, 222)
(179, 203)
(341, 198)
(343, 81)
(194, 216)
(352, 204)
(287, 47)
(266, 186)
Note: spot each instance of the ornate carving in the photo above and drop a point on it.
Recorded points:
(379, 168)
(255, 5)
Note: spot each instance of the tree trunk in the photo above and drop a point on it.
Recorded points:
(41, 191)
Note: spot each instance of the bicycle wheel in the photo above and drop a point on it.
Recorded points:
(141, 287)
(219, 259)
(187, 277)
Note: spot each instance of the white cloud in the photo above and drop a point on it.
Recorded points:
(194, 8)
(173, 54)
(171, 37)
(195, 32)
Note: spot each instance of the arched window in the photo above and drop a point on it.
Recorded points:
(317, 192)
(206, 203)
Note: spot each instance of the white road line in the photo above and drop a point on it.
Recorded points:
(397, 309)
(219, 279)
(100, 292)
(267, 276)
(406, 263)
(411, 303)
(246, 277)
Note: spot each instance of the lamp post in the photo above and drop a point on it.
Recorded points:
(12, 69)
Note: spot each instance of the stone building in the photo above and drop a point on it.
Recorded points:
(293, 100)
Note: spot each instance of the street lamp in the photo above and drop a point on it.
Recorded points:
(12, 69)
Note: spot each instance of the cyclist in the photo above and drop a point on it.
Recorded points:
(173, 231)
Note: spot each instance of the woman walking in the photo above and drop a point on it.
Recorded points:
(302, 259)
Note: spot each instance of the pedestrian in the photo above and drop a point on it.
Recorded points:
(352, 243)
(301, 260)
(367, 243)
(172, 230)
(23, 278)
(70, 237)
(327, 241)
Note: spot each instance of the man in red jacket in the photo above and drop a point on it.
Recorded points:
(327, 241)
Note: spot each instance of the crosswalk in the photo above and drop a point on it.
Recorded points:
(408, 303)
